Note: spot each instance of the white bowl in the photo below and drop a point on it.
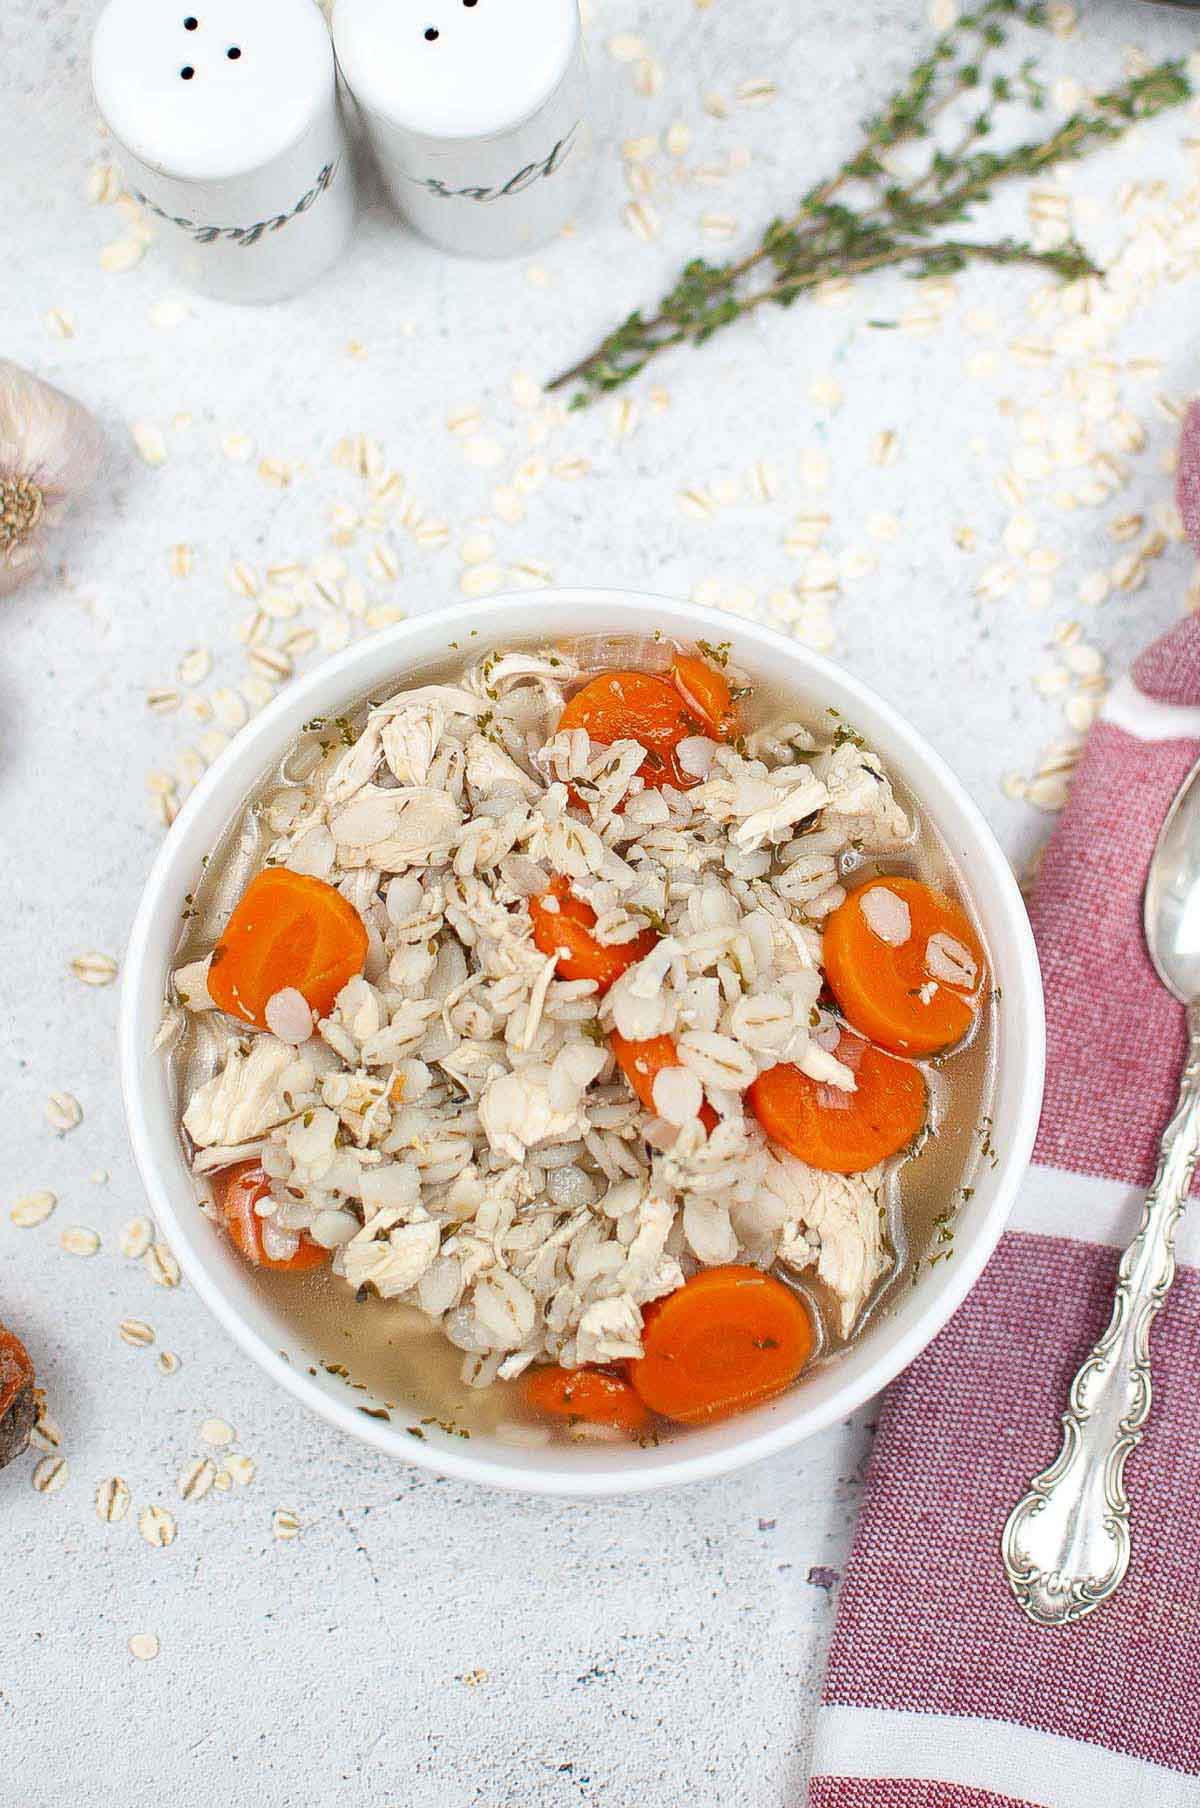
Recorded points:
(887, 1344)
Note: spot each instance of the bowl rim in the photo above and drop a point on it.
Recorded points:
(138, 985)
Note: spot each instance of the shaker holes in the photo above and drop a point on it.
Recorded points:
(187, 72)
(431, 34)
(233, 53)
(190, 24)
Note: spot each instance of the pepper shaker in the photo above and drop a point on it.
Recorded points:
(227, 123)
(475, 110)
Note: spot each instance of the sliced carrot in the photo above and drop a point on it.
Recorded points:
(636, 706)
(236, 1190)
(286, 930)
(567, 932)
(586, 1394)
(842, 1132)
(642, 1062)
(887, 990)
(706, 694)
(726, 1340)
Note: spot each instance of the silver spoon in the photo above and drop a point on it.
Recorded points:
(1066, 1543)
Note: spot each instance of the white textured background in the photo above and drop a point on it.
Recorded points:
(636, 1653)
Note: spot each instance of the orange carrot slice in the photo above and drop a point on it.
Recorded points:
(636, 706)
(706, 694)
(726, 1340)
(642, 1062)
(236, 1190)
(585, 1394)
(286, 930)
(889, 990)
(567, 932)
(842, 1132)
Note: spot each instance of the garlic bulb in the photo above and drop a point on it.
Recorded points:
(49, 454)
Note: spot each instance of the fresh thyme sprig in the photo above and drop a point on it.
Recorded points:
(887, 219)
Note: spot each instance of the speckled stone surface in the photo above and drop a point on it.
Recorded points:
(421, 1644)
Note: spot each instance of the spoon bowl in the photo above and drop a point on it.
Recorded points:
(1171, 911)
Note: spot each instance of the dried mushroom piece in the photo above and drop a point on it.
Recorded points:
(18, 1408)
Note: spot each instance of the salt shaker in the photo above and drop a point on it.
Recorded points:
(475, 110)
(227, 123)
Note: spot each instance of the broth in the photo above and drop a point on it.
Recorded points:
(399, 1360)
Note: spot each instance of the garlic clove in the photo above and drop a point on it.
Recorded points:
(49, 455)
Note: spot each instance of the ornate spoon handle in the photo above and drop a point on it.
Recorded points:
(1066, 1543)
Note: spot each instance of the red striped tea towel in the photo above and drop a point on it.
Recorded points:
(940, 1693)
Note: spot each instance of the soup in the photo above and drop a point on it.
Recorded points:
(578, 1043)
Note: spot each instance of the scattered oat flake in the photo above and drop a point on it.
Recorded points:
(217, 1433)
(697, 502)
(825, 392)
(149, 440)
(46, 1433)
(270, 663)
(718, 225)
(182, 560)
(284, 1523)
(638, 150)
(762, 481)
(161, 1266)
(239, 447)
(112, 1499)
(476, 548)
(167, 1362)
(59, 323)
(195, 665)
(157, 1526)
(473, 1679)
(483, 451)
(163, 702)
(530, 574)
(144, 1646)
(1093, 589)
(197, 1478)
(32, 1209)
(625, 48)
(242, 579)
(50, 1474)
(508, 505)
(241, 1468)
(103, 183)
(121, 254)
(137, 1332)
(136, 1238)
(642, 220)
(757, 92)
(885, 447)
(648, 76)
(94, 969)
(77, 1240)
(480, 580)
